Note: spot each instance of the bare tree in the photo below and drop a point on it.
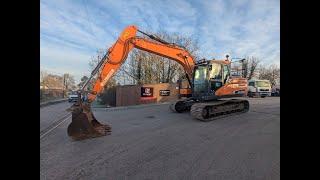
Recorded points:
(97, 58)
(271, 73)
(249, 67)
(82, 81)
(144, 67)
(69, 82)
(53, 81)
(253, 61)
(43, 75)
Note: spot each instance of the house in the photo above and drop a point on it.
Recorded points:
(44, 87)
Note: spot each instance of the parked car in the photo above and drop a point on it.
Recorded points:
(275, 92)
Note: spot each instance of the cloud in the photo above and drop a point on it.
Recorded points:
(245, 28)
(64, 60)
(71, 31)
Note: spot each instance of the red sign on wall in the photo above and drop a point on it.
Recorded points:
(146, 91)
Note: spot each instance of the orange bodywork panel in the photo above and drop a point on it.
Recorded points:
(233, 86)
(185, 91)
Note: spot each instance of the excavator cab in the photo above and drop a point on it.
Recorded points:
(211, 82)
(209, 76)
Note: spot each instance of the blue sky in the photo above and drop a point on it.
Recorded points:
(72, 30)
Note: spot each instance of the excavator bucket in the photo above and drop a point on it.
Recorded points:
(84, 125)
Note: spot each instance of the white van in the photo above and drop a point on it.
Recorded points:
(260, 88)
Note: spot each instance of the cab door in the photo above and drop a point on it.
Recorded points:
(226, 74)
(215, 76)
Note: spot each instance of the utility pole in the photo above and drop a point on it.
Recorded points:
(64, 79)
(65, 86)
(242, 67)
(139, 71)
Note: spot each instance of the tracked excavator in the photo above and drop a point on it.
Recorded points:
(210, 84)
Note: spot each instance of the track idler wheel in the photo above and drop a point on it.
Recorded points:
(84, 125)
(178, 106)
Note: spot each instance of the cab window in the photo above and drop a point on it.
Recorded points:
(215, 72)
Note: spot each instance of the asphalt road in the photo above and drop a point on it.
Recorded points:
(154, 143)
(49, 114)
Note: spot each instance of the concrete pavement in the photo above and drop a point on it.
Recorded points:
(154, 143)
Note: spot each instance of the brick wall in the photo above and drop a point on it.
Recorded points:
(131, 94)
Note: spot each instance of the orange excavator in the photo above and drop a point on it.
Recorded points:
(209, 82)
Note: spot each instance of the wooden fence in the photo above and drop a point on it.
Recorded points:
(51, 94)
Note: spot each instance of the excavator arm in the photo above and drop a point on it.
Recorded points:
(84, 124)
(128, 40)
